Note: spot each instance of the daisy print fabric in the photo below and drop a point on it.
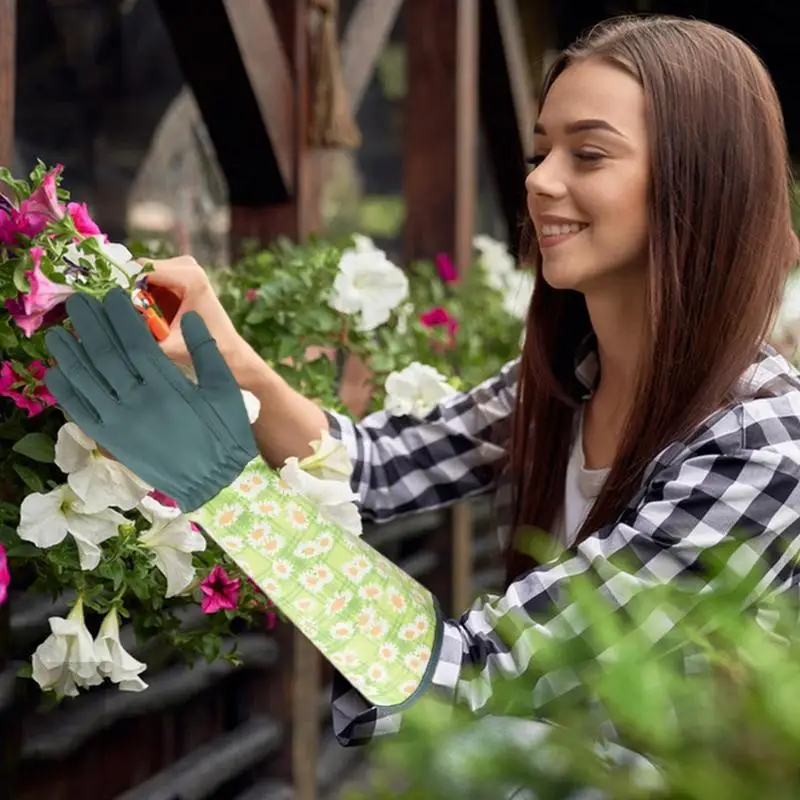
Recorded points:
(374, 622)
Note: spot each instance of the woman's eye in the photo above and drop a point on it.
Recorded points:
(589, 156)
(534, 161)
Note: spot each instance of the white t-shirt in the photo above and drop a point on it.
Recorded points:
(581, 489)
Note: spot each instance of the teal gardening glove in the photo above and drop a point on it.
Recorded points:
(189, 441)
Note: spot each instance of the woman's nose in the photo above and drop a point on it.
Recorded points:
(546, 178)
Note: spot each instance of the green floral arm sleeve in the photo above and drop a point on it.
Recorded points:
(377, 625)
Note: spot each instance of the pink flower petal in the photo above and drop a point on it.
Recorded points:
(84, 224)
(5, 575)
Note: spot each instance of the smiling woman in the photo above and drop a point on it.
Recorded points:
(646, 426)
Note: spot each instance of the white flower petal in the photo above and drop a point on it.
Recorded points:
(368, 284)
(172, 541)
(90, 531)
(66, 660)
(345, 515)
(114, 661)
(415, 390)
(73, 448)
(330, 460)
(42, 520)
(176, 567)
(102, 483)
(318, 490)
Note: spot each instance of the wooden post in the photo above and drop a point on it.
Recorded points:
(8, 37)
(10, 723)
(441, 151)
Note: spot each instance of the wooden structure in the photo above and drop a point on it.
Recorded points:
(258, 732)
(263, 731)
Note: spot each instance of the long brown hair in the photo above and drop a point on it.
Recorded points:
(721, 246)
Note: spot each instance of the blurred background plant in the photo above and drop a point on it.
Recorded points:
(715, 707)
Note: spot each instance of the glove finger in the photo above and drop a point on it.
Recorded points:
(212, 371)
(101, 344)
(83, 376)
(71, 402)
(135, 339)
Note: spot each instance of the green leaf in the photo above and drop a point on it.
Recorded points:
(29, 478)
(24, 550)
(36, 446)
(8, 337)
(20, 281)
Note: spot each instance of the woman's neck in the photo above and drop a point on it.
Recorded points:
(618, 320)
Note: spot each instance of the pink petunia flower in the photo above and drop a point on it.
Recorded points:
(84, 223)
(43, 206)
(251, 295)
(33, 395)
(5, 575)
(446, 268)
(221, 592)
(30, 311)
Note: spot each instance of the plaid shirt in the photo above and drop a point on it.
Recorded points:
(740, 470)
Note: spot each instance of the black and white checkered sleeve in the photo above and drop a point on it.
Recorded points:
(402, 464)
(686, 509)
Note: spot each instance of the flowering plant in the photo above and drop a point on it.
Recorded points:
(76, 523)
(72, 521)
(421, 333)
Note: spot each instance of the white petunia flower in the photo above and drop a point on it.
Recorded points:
(518, 293)
(113, 660)
(66, 661)
(124, 268)
(368, 284)
(46, 519)
(330, 460)
(415, 390)
(496, 261)
(172, 540)
(98, 481)
(333, 499)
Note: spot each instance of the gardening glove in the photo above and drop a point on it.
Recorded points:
(189, 441)
(377, 625)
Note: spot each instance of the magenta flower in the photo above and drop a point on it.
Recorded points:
(439, 317)
(251, 295)
(446, 268)
(221, 592)
(30, 311)
(5, 575)
(164, 499)
(27, 391)
(43, 206)
(13, 223)
(84, 224)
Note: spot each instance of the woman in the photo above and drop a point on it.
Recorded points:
(645, 422)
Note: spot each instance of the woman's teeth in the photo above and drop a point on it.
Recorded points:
(561, 230)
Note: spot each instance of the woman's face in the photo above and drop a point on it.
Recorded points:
(588, 189)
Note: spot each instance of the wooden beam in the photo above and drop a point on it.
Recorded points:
(231, 55)
(440, 138)
(440, 178)
(368, 28)
(8, 78)
(507, 105)
(10, 714)
(297, 214)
